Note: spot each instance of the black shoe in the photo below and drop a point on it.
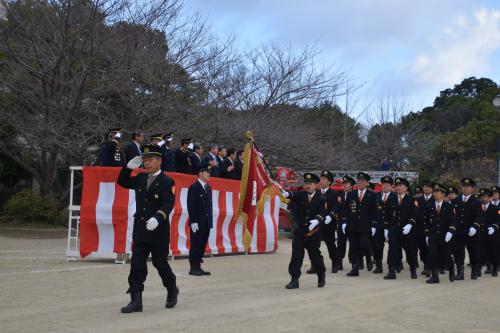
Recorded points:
(391, 275)
(334, 268)
(473, 274)
(488, 269)
(340, 267)
(424, 272)
(311, 271)
(441, 271)
(494, 272)
(451, 273)
(434, 277)
(361, 264)
(321, 280)
(354, 271)
(478, 272)
(196, 272)
(294, 284)
(172, 298)
(378, 269)
(413, 272)
(135, 304)
(460, 273)
(399, 267)
(204, 272)
(369, 264)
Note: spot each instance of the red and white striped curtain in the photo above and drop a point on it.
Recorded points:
(107, 209)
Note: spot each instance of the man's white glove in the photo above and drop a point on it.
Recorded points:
(373, 231)
(151, 224)
(328, 219)
(386, 234)
(313, 224)
(285, 193)
(407, 229)
(194, 227)
(134, 163)
(343, 228)
(118, 135)
(427, 240)
(491, 231)
(448, 237)
(472, 231)
(161, 143)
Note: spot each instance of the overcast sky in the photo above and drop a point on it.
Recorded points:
(415, 48)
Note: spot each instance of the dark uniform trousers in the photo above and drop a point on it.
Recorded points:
(199, 242)
(328, 235)
(436, 225)
(307, 208)
(139, 267)
(489, 243)
(341, 247)
(422, 247)
(468, 214)
(359, 245)
(300, 243)
(378, 244)
(155, 200)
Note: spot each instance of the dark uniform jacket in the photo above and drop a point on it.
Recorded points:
(468, 214)
(384, 210)
(199, 203)
(157, 202)
(111, 154)
(490, 218)
(214, 171)
(183, 161)
(332, 204)
(421, 203)
(131, 151)
(404, 213)
(196, 163)
(233, 174)
(360, 216)
(306, 211)
(436, 224)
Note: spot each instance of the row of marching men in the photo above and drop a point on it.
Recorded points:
(437, 226)
(188, 158)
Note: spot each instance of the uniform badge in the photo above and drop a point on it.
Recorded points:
(156, 196)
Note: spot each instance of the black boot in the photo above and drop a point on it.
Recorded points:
(413, 272)
(434, 277)
(203, 272)
(172, 298)
(451, 273)
(334, 267)
(399, 266)
(369, 263)
(488, 269)
(391, 275)
(473, 273)
(460, 273)
(361, 264)
(135, 304)
(494, 271)
(195, 270)
(340, 266)
(354, 271)
(321, 280)
(294, 284)
(378, 269)
(311, 271)
(478, 270)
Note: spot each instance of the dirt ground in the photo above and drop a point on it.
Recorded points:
(41, 292)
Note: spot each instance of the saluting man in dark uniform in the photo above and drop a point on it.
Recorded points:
(182, 158)
(154, 193)
(439, 221)
(400, 230)
(468, 213)
(380, 228)
(359, 213)
(310, 212)
(199, 203)
(328, 227)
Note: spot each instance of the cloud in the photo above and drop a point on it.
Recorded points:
(464, 48)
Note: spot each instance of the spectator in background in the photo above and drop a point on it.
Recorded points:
(228, 167)
(196, 161)
(211, 160)
(133, 148)
(385, 164)
(238, 164)
(182, 158)
(169, 160)
(222, 155)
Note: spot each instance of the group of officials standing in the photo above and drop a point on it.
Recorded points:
(188, 158)
(437, 225)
